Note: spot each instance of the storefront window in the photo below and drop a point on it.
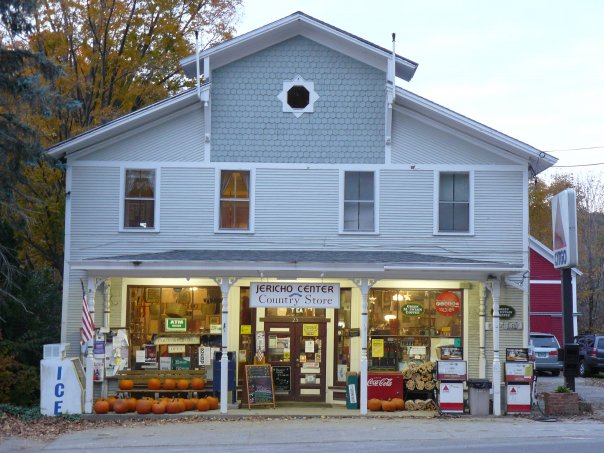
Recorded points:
(167, 325)
(247, 330)
(342, 341)
(295, 312)
(408, 326)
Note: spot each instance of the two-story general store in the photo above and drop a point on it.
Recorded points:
(301, 206)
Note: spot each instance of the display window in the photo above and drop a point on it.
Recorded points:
(247, 331)
(342, 338)
(409, 326)
(168, 325)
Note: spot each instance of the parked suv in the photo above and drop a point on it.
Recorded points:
(544, 348)
(591, 353)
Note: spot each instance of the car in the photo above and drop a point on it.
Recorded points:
(591, 353)
(544, 348)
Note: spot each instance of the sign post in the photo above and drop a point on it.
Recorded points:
(564, 229)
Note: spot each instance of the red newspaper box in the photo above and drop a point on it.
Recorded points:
(384, 386)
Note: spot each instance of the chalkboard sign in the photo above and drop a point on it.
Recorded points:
(259, 385)
(282, 378)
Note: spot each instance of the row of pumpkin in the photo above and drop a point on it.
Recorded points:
(168, 384)
(147, 405)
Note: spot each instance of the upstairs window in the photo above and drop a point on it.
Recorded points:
(454, 203)
(234, 200)
(139, 199)
(359, 201)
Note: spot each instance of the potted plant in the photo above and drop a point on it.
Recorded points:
(563, 401)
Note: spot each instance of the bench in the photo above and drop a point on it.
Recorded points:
(141, 378)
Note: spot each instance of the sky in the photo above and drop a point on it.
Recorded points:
(532, 69)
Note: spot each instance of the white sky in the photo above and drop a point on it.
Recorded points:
(532, 69)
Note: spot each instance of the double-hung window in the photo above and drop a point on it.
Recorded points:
(359, 201)
(234, 200)
(139, 199)
(454, 203)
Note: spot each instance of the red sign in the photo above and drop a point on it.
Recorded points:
(447, 303)
(384, 386)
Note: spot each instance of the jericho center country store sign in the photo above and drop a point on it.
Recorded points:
(294, 295)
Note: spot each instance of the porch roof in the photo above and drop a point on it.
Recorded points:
(296, 263)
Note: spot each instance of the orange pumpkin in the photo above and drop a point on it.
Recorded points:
(111, 400)
(214, 402)
(182, 384)
(131, 404)
(101, 406)
(198, 383)
(374, 404)
(126, 384)
(189, 405)
(173, 407)
(143, 406)
(388, 406)
(194, 401)
(203, 405)
(154, 384)
(169, 384)
(398, 403)
(159, 407)
(120, 406)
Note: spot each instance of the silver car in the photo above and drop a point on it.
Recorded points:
(545, 347)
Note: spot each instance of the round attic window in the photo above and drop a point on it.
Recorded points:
(298, 97)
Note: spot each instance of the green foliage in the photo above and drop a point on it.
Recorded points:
(563, 389)
(27, 414)
(19, 383)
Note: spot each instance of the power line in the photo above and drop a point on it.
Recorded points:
(579, 165)
(574, 149)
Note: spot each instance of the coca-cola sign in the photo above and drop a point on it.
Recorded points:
(447, 303)
(379, 382)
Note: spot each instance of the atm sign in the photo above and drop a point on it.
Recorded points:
(176, 325)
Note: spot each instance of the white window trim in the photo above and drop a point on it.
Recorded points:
(436, 232)
(123, 169)
(376, 203)
(312, 94)
(217, 175)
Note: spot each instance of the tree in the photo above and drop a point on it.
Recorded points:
(120, 55)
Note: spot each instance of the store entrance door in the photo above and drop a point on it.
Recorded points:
(297, 352)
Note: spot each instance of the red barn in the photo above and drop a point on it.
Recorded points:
(546, 292)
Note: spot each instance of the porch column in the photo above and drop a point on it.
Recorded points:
(88, 394)
(496, 293)
(225, 287)
(482, 358)
(364, 286)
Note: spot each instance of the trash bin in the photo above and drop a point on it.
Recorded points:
(479, 396)
(352, 390)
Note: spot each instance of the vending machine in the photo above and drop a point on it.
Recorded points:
(518, 381)
(451, 374)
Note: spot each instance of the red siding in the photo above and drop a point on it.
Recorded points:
(546, 297)
(542, 269)
(548, 324)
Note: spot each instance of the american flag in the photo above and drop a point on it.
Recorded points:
(87, 322)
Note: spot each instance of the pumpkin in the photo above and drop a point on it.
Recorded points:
(213, 402)
(182, 384)
(131, 404)
(203, 405)
(183, 404)
(398, 403)
(154, 384)
(120, 406)
(374, 404)
(143, 406)
(101, 406)
(189, 405)
(194, 401)
(388, 406)
(126, 384)
(159, 407)
(111, 400)
(169, 384)
(173, 407)
(198, 383)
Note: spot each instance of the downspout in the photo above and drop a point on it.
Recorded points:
(482, 358)
(390, 97)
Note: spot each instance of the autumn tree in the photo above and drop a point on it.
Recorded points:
(120, 55)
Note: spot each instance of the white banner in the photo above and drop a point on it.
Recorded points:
(294, 295)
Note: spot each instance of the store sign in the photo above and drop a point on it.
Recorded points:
(412, 309)
(384, 386)
(447, 303)
(451, 370)
(506, 312)
(564, 229)
(294, 294)
(310, 330)
(176, 324)
(504, 325)
(176, 349)
(188, 339)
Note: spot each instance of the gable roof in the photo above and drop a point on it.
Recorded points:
(304, 25)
